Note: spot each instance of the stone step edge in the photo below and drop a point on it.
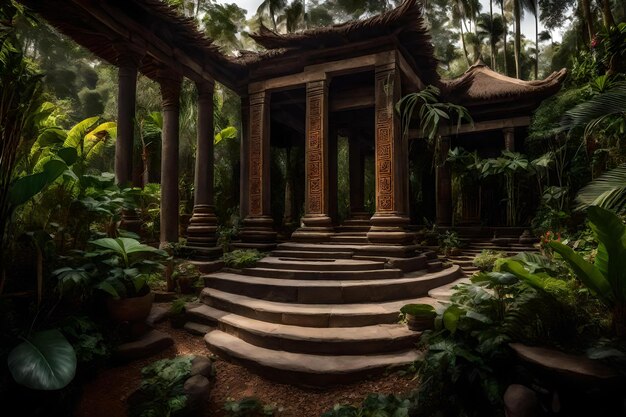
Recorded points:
(308, 315)
(305, 369)
(337, 341)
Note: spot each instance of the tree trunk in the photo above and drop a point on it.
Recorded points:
(586, 9)
(506, 66)
(518, 36)
(536, 44)
(491, 38)
(464, 46)
(607, 15)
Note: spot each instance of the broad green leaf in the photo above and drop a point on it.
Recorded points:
(611, 234)
(25, 188)
(46, 361)
(68, 155)
(419, 310)
(451, 317)
(77, 133)
(517, 269)
(585, 271)
(108, 288)
(51, 136)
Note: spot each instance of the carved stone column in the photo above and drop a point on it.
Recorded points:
(509, 138)
(258, 224)
(244, 157)
(127, 63)
(391, 162)
(317, 222)
(202, 228)
(443, 186)
(170, 83)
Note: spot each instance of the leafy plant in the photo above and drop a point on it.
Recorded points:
(43, 361)
(375, 405)
(242, 258)
(247, 407)
(119, 267)
(606, 277)
(86, 338)
(449, 241)
(486, 260)
(161, 392)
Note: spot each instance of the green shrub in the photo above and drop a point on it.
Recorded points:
(242, 258)
(375, 405)
(486, 260)
(247, 407)
(161, 392)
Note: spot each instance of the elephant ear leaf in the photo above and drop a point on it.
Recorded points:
(611, 260)
(46, 361)
(589, 274)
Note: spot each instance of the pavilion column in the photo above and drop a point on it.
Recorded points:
(170, 83)
(127, 63)
(257, 228)
(356, 161)
(202, 230)
(333, 151)
(509, 138)
(391, 161)
(443, 184)
(244, 158)
(317, 223)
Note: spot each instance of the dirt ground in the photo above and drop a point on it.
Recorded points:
(105, 395)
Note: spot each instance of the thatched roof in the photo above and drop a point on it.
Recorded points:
(152, 24)
(481, 85)
(405, 23)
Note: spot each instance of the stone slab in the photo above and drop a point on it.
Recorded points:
(152, 342)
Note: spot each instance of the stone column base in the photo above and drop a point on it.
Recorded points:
(202, 229)
(316, 228)
(258, 230)
(130, 221)
(390, 229)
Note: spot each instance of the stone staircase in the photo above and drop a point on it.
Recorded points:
(319, 314)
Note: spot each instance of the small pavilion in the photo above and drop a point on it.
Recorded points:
(323, 308)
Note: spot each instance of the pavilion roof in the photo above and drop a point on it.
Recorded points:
(165, 35)
(481, 85)
(405, 23)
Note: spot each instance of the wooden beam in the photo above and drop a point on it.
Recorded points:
(477, 127)
(408, 72)
(351, 99)
(321, 71)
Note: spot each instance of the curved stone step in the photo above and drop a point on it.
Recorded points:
(331, 291)
(310, 254)
(325, 265)
(314, 340)
(308, 315)
(321, 275)
(305, 369)
(444, 292)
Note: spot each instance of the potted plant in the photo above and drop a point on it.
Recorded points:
(177, 313)
(120, 268)
(419, 317)
(186, 276)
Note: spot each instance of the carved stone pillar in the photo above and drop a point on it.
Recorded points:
(333, 150)
(203, 223)
(509, 138)
(170, 83)
(317, 222)
(127, 63)
(244, 157)
(391, 162)
(356, 161)
(443, 184)
(258, 224)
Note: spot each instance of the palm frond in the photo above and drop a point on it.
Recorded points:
(612, 102)
(607, 191)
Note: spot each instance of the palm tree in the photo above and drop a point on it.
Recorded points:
(490, 27)
(519, 6)
(272, 8)
(461, 10)
(222, 22)
(504, 43)
(293, 16)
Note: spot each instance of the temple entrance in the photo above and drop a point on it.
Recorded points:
(287, 131)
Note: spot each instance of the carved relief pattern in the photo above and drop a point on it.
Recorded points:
(315, 148)
(384, 141)
(255, 184)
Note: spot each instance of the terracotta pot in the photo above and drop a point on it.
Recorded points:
(420, 323)
(130, 309)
